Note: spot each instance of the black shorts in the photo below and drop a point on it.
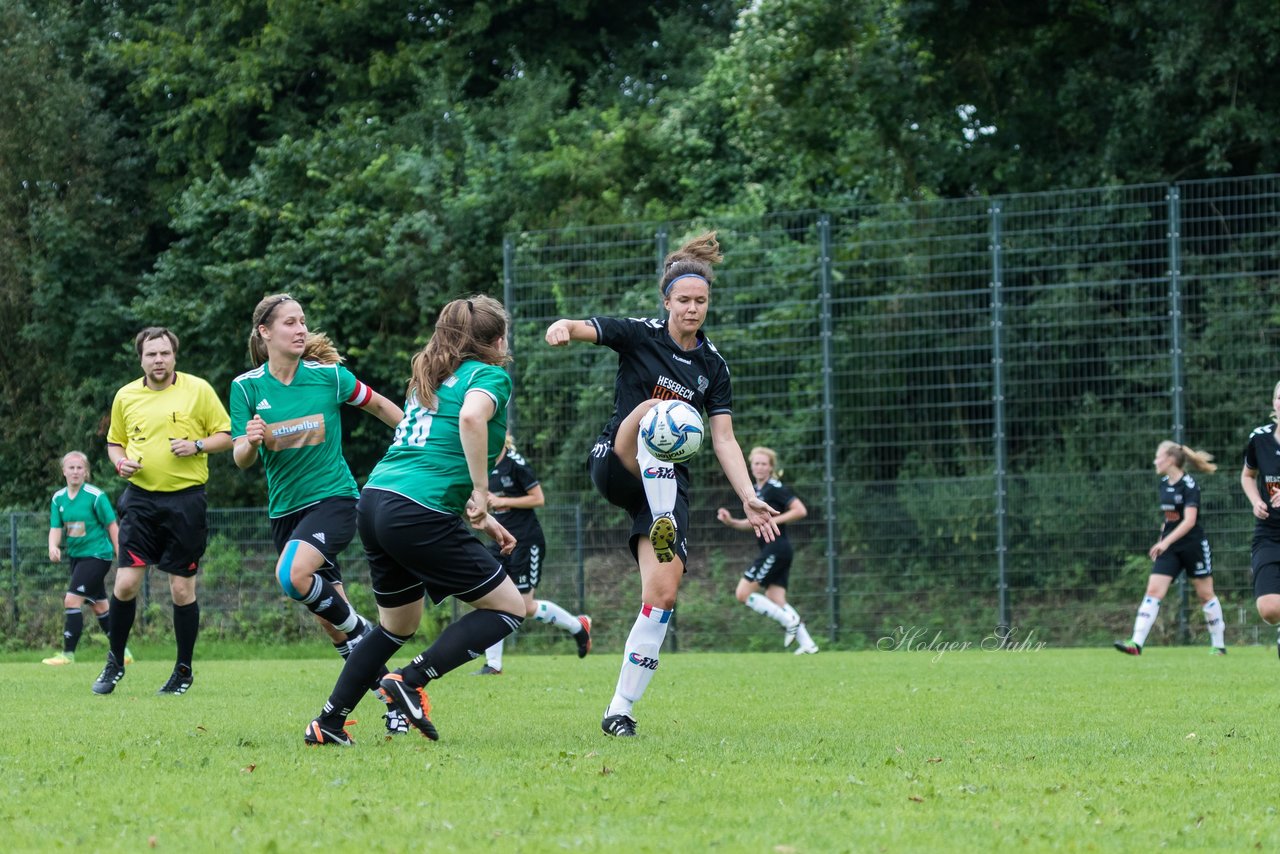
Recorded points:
(329, 526)
(772, 567)
(89, 578)
(415, 551)
(1195, 559)
(623, 489)
(1265, 561)
(524, 564)
(167, 530)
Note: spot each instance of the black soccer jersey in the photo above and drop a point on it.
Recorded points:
(1262, 454)
(777, 496)
(652, 365)
(1175, 498)
(513, 477)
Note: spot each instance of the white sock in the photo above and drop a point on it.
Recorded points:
(793, 618)
(1147, 612)
(764, 605)
(1213, 619)
(639, 658)
(553, 615)
(661, 490)
(803, 638)
(493, 656)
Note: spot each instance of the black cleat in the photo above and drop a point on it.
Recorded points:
(623, 726)
(179, 681)
(1128, 647)
(412, 702)
(584, 637)
(662, 533)
(319, 734)
(487, 671)
(112, 673)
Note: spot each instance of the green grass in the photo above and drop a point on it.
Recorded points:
(978, 751)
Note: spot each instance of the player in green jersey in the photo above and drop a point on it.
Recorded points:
(82, 524)
(413, 516)
(287, 412)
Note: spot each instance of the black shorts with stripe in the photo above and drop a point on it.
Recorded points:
(167, 530)
(1265, 562)
(524, 564)
(328, 526)
(623, 489)
(772, 568)
(1193, 558)
(414, 551)
(89, 578)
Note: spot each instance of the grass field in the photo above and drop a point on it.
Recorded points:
(871, 751)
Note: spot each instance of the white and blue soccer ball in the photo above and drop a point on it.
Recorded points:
(672, 431)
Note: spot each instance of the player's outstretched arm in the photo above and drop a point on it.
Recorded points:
(560, 333)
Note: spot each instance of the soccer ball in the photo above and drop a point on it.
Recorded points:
(672, 431)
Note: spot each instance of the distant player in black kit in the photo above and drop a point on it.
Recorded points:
(1260, 480)
(1182, 546)
(661, 360)
(763, 587)
(514, 492)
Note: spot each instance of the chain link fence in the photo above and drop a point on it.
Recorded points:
(967, 395)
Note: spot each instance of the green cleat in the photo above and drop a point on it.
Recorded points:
(1129, 647)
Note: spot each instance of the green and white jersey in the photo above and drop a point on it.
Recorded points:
(84, 520)
(425, 462)
(302, 454)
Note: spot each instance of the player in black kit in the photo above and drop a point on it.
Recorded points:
(661, 360)
(763, 587)
(514, 492)
(1261, 477)
(1182, 546)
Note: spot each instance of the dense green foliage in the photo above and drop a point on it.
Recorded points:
(919, 749)
(171, 162)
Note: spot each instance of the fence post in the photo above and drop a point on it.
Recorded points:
(1173, 205)
(828, 426)
(13, 566)
(998, 417)
(509, 301)
(582, 563)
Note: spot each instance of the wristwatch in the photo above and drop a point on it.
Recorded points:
(199, 446)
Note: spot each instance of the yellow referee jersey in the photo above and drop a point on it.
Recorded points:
(143, 421)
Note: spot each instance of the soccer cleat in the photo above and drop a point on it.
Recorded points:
(583, 637)
(622, 726)
(412, 702)
(790, 637)
(397, 723)
(487, 671)
(1128, 647)
(112, 673)
(128, 656)
(319, 734)
(179, 681)
(1218, 650)
(808, 649)
(662, 533)
(61, 659)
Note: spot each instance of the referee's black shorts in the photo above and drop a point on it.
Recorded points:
(167, 530)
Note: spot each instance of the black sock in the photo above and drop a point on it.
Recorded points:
(122, 614)
(104, 622)
(72, 627)
(369, 657)
(186, 628)
(325, 602)
(459, 643)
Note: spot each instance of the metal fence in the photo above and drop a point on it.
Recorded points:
(966, 394)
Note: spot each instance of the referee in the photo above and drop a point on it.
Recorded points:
(162, 426)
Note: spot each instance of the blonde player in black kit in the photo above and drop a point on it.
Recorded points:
(1182, 546)
(763, 587)
(1260, 480)
(658, 359)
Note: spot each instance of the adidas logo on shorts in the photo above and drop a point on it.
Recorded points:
(319, 535)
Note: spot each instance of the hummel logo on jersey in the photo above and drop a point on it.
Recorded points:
(263, 405)
(319, 535)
